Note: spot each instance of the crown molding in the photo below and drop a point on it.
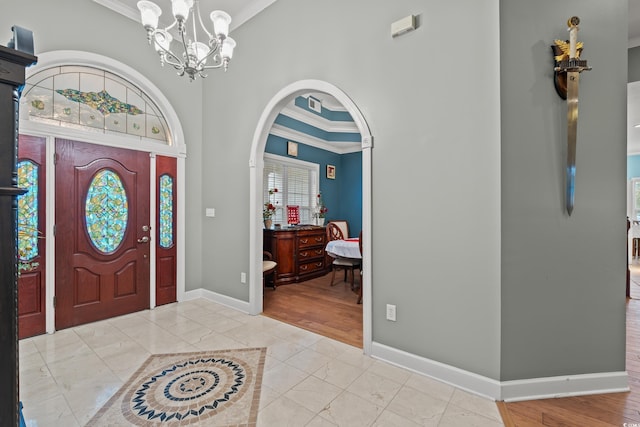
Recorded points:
(319, 122)
(334, 147)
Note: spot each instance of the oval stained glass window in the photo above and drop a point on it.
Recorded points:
(166, 211)
(28, 210)
(106, 211)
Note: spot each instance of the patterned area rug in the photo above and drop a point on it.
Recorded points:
(213, 388)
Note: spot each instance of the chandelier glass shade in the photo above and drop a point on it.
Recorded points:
(197, 55)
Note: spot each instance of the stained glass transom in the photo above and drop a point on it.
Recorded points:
(93, 100)
(28, 211)
(166, 211)
(106, 211)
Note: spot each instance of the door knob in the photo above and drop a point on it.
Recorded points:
(144, 239)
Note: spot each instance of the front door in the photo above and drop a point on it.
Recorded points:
(102, 232)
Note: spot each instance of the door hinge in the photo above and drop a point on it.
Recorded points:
(55, 158)
(54, 230)
(55, 300)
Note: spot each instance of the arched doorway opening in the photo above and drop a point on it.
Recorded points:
(256, 166)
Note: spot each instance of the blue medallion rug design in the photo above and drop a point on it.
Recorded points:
(210, 388)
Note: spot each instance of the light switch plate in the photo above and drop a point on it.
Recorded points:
(210, 212)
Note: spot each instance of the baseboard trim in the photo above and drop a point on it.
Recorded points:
(565, 386)
(236, 304)
(509, 391)
(459, 378)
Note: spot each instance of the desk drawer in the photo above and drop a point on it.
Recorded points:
(310, 241)
(310, 267)
(306, 254)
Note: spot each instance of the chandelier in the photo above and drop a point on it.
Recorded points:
(217, 50)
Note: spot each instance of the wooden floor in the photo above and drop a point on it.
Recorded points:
(316, 306)
(613, 409)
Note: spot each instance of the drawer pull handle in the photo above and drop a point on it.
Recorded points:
(303, 240)
(303, 253)
(303, 267)
(318, 239)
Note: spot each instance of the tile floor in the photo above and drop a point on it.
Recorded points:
(309, 380)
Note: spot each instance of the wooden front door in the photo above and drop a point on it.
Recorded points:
(31, 236)
(102, 232)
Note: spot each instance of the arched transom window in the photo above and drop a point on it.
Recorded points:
(95, 100)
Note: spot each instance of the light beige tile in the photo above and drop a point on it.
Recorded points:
(284, 412)
(477, 404)
(354, 356)
(430, 386)
(267, 395)
(283, 350)
(318, 421)
(282, 377)
(350, 410)
(54, 412)
(417, 406)
(374, 388)
(313, 393)
(389, 371)
(308, 360)
(338, 373)
(455, 416)
(329, 347)
(391, 419)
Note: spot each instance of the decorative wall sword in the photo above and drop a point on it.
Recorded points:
(568, 67)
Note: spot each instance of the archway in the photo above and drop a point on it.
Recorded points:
(256, 165)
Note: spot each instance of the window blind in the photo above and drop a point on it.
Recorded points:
(297, 184)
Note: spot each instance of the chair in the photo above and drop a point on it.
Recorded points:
(268, 268)
(343, 225)
(335, 233)
(361, 282)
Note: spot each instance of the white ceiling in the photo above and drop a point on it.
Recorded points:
(240, 10)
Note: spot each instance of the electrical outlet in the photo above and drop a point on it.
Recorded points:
(243, 277)
(391, 312)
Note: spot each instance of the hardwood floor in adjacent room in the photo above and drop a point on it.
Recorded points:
(615, 409)
(316, 306)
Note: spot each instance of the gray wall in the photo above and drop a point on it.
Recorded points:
(563, 278)
(436, 130)
(487, 272)
(93, 28)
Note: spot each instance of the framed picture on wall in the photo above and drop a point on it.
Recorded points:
(331, 172)
(292, 148)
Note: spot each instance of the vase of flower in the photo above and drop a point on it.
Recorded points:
(269, 208)
(320, 210)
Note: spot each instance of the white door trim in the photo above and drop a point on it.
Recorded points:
(256, 166)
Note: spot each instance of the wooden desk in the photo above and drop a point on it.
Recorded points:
(299, 252)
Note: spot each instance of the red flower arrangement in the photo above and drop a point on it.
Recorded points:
(269, 208)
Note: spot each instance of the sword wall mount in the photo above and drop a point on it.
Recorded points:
(568, 67)
(563, 62)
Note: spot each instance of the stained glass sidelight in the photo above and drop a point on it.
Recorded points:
(107, 211)
(166, 211)
(28, 211)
